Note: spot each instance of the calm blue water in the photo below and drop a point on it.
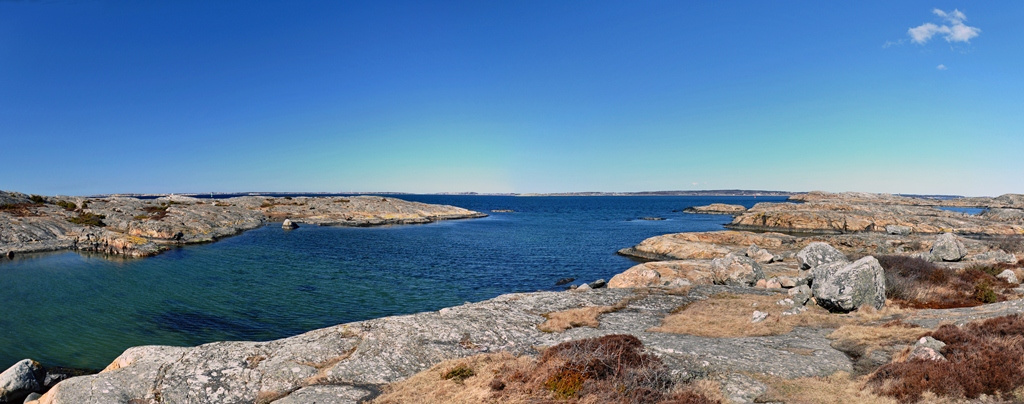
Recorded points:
(77, 310)
(969, 211)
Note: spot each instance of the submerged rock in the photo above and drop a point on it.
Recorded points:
(288, 224)
(843, 286)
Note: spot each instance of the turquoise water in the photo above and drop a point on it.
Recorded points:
(79, 310)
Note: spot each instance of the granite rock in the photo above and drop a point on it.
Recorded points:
(843, 286)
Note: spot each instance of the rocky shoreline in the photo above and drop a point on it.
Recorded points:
(133, 227)
(797, 301)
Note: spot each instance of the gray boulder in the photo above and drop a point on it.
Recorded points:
(735, 270)
(288, 224)
(898, 230)
(818, 253)
(20, 380)
(1008, 275)
(844, 287)
(948, 247)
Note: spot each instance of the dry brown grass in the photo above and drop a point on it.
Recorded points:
(582, 317)
(560, 321)
(430, 386)
(728, 315)
(605, 370)
(839, 388)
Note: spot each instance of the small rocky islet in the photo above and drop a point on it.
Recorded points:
(793, 295)
(133, 227)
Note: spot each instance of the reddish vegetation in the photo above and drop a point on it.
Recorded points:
(985, 357)
(609, 369)
(916, 283)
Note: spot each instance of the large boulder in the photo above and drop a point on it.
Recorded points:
(736, 269)
(843, 286)
(818, 253)
(20, 380)
(664, 274)
(948, 247)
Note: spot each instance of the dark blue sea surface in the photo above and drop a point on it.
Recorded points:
(78, 310)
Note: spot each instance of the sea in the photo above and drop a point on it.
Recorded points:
(81, 310)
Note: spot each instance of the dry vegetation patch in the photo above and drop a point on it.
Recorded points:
(609, 369)
(560, 321)
(984, 358)
(917, 283)
(729, 315)
(839, 388)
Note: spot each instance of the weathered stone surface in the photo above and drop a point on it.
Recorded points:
(818, 253)
(1008, 275)
(759, 254)
(948, 247)
(898, 230)
(19, 380)
(288, 224)
(735, 269)
(843, 286)
(343, 363)
(717, 209)
(666, 274)
(800, 294)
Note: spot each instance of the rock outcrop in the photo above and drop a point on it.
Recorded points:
(717, 209)
(138, 228)
(349, 362)
(704, 245)
(854, 212)
(843, 286)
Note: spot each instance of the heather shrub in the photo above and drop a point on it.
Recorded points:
(983, 357)
(917, 283)
(609, 369)
(459, 373)
(36, 199)
(67, 205)
(88, 219)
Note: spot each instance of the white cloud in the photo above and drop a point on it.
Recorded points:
(941, 67)
(956, 31)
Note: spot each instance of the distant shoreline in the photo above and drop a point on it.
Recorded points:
(707, 193)
(220, 195)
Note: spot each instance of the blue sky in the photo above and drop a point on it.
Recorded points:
(514, 96)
